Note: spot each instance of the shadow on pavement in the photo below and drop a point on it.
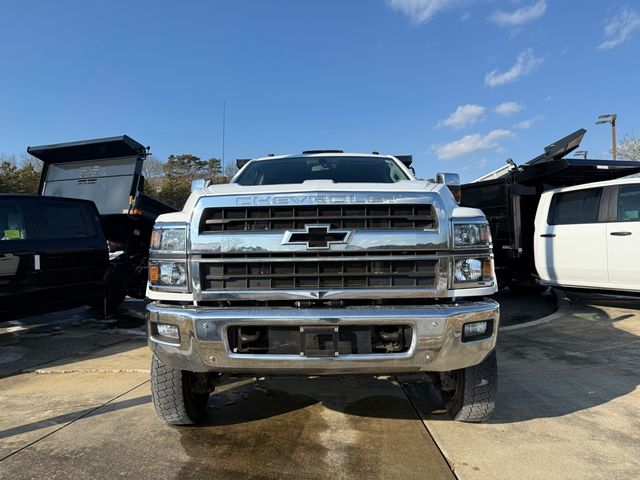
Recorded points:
(257, 400)
(586, 358)
(72, 416)
(62, 337)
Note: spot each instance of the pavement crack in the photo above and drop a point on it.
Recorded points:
(421, 418)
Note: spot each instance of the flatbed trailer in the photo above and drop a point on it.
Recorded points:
(509, 198)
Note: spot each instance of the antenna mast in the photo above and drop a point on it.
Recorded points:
(224, 120)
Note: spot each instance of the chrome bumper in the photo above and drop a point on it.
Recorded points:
(436, 345)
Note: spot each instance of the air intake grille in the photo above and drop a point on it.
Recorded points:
(385, 217)
(323, 273)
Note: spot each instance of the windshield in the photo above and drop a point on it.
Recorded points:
(339, 169)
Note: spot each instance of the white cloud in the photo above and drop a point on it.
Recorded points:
(471, 143)
(421, 11)
(526, 63)
(464, 115)
(620, 28)
(528, 123)
(520, 16)
(509, 108)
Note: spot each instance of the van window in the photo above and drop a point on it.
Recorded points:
(63, 220)
(11, 222)
(629, 203)
(580, 206)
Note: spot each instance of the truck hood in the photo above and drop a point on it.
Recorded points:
(319, 186)
(310, 186)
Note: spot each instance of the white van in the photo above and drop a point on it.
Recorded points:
(588, 236)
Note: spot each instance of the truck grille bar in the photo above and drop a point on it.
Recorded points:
(308, 273)
(365, 217)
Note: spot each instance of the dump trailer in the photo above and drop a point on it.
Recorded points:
(108, 171)
(509, 198)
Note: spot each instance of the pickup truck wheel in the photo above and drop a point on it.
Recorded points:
(178, 396)
(475, 388)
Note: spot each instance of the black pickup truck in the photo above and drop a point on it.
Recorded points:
(53, 254)
(108, 172)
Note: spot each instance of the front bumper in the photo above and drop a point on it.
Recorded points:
(436, 345)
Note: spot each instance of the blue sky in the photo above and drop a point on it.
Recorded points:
(460, 84)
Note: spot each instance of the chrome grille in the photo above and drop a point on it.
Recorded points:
(306, 272)
(365, 217)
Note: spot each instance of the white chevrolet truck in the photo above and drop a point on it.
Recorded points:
(322, 263)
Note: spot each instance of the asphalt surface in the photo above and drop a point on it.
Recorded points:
(75, 403)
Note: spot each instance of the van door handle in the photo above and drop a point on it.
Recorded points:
(620, 234)
(548, 235)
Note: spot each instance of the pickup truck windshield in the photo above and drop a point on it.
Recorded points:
(339, 169)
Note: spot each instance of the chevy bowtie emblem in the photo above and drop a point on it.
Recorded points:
(316, 236)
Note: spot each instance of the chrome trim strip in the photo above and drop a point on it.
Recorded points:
(346, 258)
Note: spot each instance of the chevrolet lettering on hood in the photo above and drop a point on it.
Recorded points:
(246, 201)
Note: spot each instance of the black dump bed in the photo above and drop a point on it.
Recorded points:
(509, 198)
(107, 171)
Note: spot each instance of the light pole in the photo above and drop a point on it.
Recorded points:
(584, 153)
(610, 118)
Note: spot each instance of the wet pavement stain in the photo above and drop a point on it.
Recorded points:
(272, 430)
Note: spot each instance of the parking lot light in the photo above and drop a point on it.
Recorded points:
(610, 118)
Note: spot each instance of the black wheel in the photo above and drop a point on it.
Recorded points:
(471, 392)
(179, 397)
(112, 299)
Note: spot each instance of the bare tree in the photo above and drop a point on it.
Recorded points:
(629, 148)
(230, 170)
(152, 167)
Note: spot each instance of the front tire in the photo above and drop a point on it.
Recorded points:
(475, 388)
(179, 397)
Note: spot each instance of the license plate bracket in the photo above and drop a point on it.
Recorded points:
(319, 341)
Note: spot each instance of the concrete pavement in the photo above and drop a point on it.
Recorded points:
(567, 406)
(92, 418)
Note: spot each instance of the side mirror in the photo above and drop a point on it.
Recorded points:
(451, 180)
(199, 184)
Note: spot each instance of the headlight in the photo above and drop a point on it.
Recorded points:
(469, 235)
(169, 239)
(168, 273)
(473, 272)
(468, 270)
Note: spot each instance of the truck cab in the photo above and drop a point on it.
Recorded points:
(587, 236)
(322, 263)
(53, 254)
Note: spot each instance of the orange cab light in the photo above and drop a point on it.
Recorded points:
(487, 268)
(155, 239)
(154, 273)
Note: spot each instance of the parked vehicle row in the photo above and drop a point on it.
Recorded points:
(50, 247)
